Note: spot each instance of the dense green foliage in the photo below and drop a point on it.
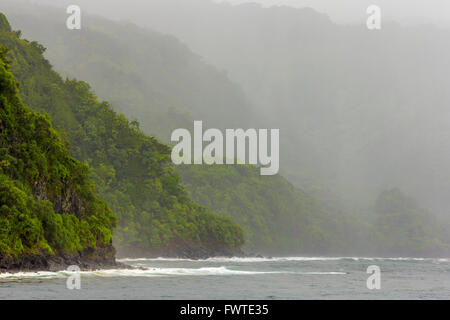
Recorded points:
(165, 85)
(46, 202)
(132, 171)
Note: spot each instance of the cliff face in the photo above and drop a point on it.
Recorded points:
(87, 259)
(49, 214)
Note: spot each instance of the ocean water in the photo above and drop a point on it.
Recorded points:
(242, 278)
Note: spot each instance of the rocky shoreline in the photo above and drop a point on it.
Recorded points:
(105, 258)
(193, 253)
(89, 259)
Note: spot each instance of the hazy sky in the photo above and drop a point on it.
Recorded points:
(350, 11)
(404, 11)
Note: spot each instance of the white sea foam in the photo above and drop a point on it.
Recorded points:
(206, 271)
(38, 274)
(202, 271)
(229, 259)
(149, 272)
(154, 272)
(279, 259)
(124, 260)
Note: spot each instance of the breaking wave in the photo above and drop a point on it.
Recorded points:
(153, 272)
(279, 259)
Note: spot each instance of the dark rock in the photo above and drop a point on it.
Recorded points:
(89, 259)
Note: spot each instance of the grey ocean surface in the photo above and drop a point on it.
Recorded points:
(242, 278)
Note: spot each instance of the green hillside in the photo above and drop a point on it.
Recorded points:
(132, 171)
(166, 86)
(276, 217)
(47, 204)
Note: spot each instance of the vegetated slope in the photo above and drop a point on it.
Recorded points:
(276, 217)
(132, 171)
(49, 214)
(156, 80)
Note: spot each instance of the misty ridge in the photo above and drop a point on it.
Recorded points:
(363, 115)
(373, 103)
(405, 12)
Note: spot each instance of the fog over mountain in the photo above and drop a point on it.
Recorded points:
(353, 11)
(359, 111)
(343, 11)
